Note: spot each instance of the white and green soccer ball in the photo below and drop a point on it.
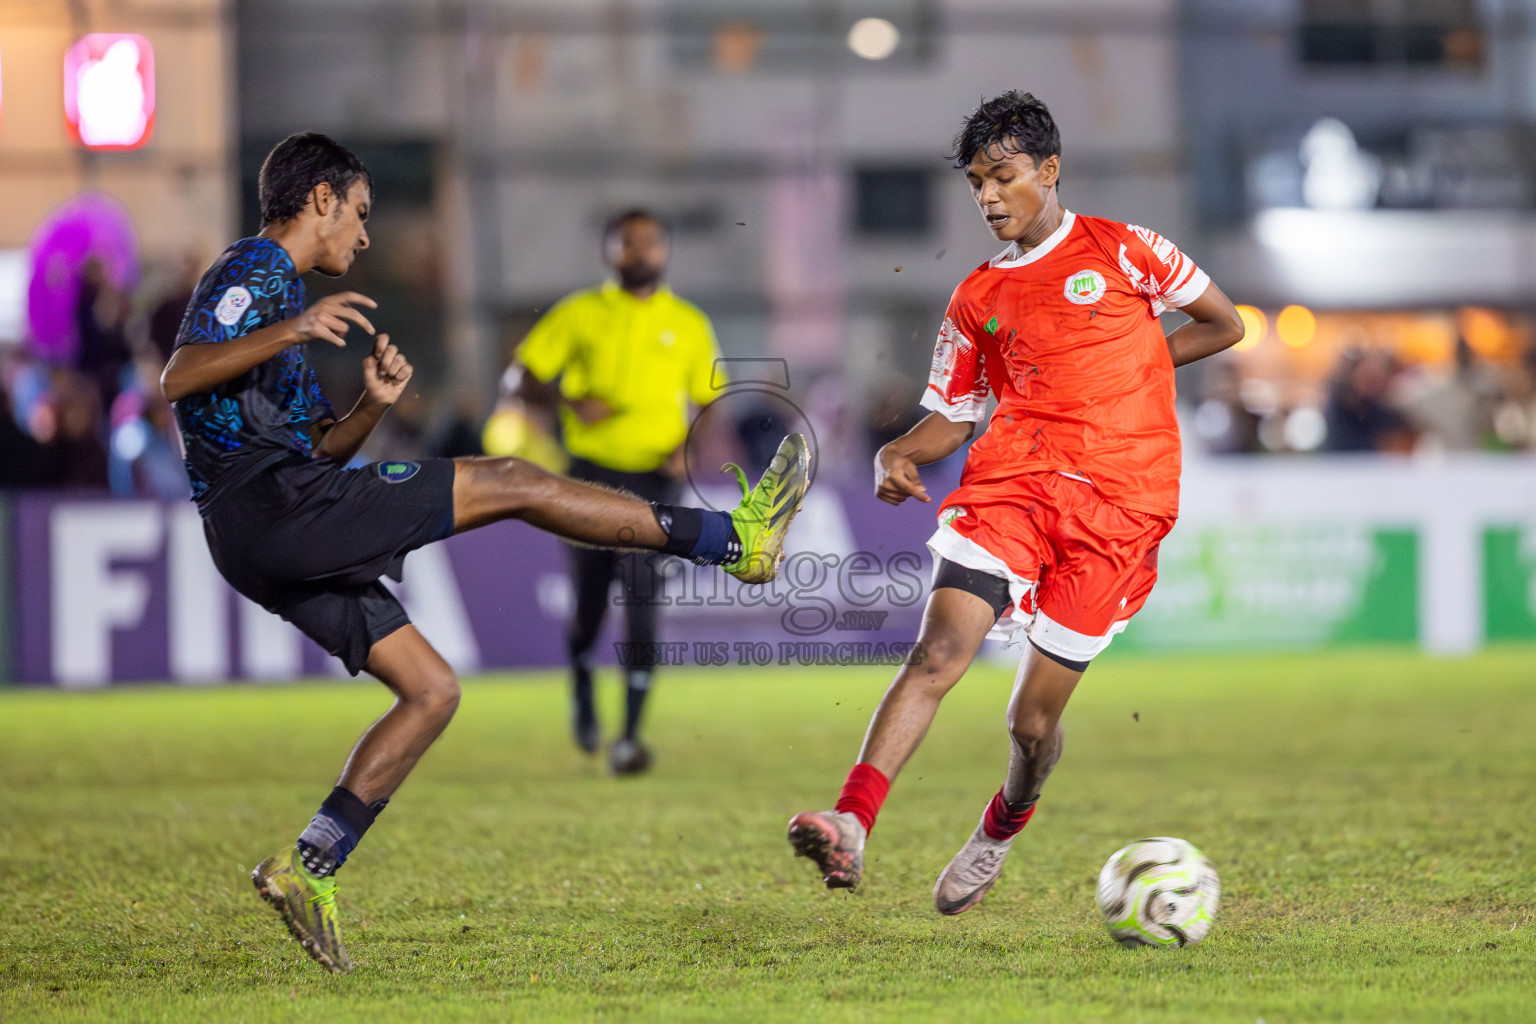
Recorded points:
(1158, 892)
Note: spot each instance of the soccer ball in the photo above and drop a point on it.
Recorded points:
(1158, 892)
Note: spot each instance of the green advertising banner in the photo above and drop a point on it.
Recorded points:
(1509, 583)
(1275, 586)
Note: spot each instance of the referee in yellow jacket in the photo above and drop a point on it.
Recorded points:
(627, 362)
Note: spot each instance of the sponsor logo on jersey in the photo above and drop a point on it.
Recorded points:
(1085, 287)
(232, 306)
(949, 515)
(398, 472)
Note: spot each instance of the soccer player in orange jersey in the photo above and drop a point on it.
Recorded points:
(1052, 535)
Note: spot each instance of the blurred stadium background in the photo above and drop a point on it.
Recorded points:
(1359, 174)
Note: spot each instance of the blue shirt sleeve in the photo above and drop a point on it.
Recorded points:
(243, 295)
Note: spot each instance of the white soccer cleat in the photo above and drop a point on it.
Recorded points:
(971, 873)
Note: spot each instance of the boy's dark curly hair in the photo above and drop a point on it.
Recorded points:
(1014, 121)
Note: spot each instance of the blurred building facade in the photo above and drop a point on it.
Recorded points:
(815, 215)
(1371, 164)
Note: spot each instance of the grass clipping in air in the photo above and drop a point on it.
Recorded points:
(1370, 814)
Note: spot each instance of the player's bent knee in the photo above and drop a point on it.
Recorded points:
(439, 693)
(943, 659)
(1032, 728)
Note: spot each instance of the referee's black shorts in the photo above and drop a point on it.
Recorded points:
(309, 541)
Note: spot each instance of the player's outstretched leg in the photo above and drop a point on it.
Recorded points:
(1040, 693)
(747, 542)
(954, 625)
(300, 881)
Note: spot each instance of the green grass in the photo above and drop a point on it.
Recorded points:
(1370, 813)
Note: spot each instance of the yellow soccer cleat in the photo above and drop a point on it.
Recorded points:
(762, 519)
(307, 904)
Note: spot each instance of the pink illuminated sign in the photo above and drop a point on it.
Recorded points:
(109, 90)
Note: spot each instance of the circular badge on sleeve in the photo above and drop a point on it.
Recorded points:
(1085, 287)
(232, 306)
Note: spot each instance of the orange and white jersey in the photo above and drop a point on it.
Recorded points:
(1066, 337)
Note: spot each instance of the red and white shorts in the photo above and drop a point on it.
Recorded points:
(1077, 566)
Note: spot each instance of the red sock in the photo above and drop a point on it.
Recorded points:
(863, 794)
(1002, 822)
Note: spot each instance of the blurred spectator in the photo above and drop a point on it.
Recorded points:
(1455, 412)
(459, 433)
(144, 457)
(1359, 415)
(1223, 421)
(165, 318)
(23, 461)
(72, 432)
(101, 318)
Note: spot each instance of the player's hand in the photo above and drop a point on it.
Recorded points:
(385, 373)
(590, 410)
(896, 478)
(332, 317)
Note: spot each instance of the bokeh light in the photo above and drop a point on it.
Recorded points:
(873, 38)
(1296, 326)
(1255, 325)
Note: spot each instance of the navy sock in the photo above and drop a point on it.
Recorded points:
(335, 831)
(637, 688)
(705, 537)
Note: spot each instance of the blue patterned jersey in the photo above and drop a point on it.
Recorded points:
(266, 412)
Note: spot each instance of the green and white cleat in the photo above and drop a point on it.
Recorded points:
(307, 905)
(763, 517)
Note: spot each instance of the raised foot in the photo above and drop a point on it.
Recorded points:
(762, 519)
(834, 841)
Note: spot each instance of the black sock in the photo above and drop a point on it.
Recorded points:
(705, 537)
(581, 690)
(637, 688)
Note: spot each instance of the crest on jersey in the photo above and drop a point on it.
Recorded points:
(1085, 287)
(398, 472)
(949, 515)
(232, 306)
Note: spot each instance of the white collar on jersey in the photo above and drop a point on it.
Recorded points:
(1011, 257)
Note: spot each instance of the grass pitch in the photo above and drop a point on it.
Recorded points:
(1370, 814)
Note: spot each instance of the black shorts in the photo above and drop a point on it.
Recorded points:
(309, 541)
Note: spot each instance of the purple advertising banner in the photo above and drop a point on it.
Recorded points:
(119, 590)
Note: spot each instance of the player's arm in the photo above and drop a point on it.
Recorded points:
(1213, 327)
(537, 394)
(385, 374)
(543, 358)
(934, 438)
(202, 367)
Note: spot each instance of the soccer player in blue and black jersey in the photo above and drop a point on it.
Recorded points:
(295, 530)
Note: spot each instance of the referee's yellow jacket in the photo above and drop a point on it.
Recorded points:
(646, 358)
